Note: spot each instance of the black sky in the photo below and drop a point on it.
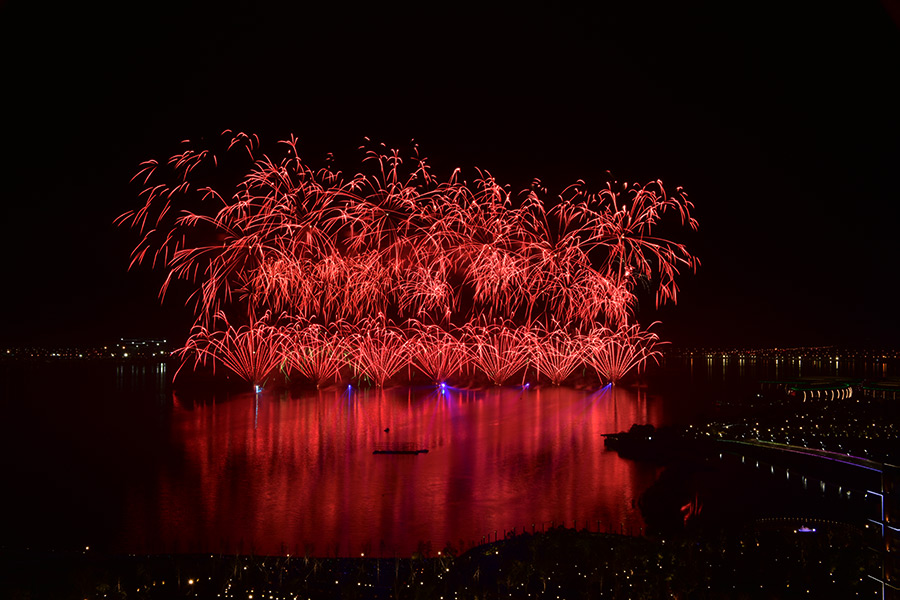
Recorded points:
(781, 123)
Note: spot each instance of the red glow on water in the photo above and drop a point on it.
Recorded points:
(297, 475)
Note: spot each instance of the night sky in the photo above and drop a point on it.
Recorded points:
(783, 125)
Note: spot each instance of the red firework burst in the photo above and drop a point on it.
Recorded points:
(253, 351)
(613, 353)
(440, 355)
(327, 251)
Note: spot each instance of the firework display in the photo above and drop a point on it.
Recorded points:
(317, 274)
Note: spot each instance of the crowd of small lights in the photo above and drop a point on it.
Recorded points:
(327, 276)
(130, 349)
(797, 557)
(820, 353)
(861, 426)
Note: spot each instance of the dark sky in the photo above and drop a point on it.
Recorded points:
(781, 123)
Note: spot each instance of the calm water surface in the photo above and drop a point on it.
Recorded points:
(108, 456)
(294, 472)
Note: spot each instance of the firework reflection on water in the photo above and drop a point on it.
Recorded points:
(286, 474)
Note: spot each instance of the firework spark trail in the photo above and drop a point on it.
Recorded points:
(556, 353)
(439, 354)
(614, 353)
(317, 353)
(378, 350)
(252, 351)
(319, 247)
(499, 351)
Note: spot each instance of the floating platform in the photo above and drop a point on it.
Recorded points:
(399, 449)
